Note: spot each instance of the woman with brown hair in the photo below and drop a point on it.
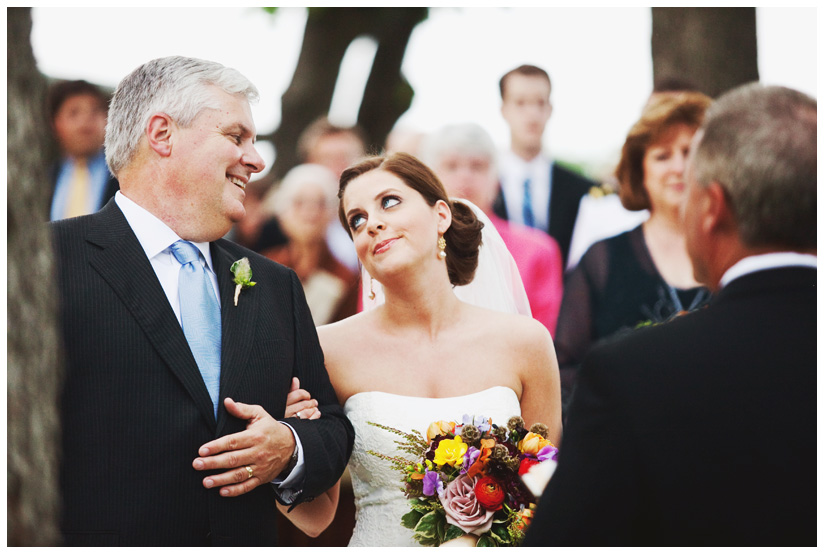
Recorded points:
(423, 354)
(644, 275)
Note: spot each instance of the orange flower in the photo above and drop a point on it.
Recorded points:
(478, 466)
(489, 493)
(440, 428)
(533, 443)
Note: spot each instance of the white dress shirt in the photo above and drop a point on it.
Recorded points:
(514, 170)
(756, 263)
(156, 237)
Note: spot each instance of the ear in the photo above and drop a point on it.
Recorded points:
(445, 216)
(159, 133)
(718, 216)
(549, 109)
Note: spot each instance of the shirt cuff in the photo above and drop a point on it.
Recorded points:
(290, 487)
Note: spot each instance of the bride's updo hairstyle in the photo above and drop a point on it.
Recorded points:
(464, 234)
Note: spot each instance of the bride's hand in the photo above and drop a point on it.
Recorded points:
(300, 404)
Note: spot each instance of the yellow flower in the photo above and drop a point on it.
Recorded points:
(451, 452)
(440, 428)
(533, 443)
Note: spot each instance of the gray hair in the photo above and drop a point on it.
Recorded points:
(174, 85)
(464, 138)
(759, 145)
(296, 179)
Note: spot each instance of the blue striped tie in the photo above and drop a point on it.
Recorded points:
(527, 205)
(200, 315)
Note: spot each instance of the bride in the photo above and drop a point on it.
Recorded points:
(422, 354)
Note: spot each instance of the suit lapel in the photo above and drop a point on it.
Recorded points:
(122, 263)
(237, 326)
(556, 202)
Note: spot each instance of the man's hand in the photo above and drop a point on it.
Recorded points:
(264, 448)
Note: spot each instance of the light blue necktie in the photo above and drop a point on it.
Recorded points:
(527, 205)
(200, 315)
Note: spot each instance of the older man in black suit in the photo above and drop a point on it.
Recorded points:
(177, 365)
(702, 431)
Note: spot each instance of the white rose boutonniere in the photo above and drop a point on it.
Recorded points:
(243, 276)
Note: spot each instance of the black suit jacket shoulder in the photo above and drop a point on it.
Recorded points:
(701, 431)
(134, 406)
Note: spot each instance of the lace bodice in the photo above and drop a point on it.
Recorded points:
(379, 501)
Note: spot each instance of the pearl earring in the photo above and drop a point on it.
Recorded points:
(442, 246)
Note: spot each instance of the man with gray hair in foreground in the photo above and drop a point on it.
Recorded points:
(702, 431)
(181, 347)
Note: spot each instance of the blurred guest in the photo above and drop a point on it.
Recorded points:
(601, 214)
(81, 180)
(259, 229)
(331, 146)
(464, 158)
(305, 203)
(535, 190)
(703, 431)
(335, 148)
(644, 275)
(404, 139)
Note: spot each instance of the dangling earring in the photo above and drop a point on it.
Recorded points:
(442, 246)
(372, 293)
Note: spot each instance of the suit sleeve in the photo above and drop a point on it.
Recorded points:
(591, 499)
(327, 442)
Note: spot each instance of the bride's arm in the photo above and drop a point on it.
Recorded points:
(541, 389)
(315, 516)
(312, 517)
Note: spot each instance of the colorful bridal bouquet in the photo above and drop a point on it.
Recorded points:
(464, 479)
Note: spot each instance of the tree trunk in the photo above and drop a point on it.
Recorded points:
(387, 94)
(34, 369)
(328, 34)
(714, 49)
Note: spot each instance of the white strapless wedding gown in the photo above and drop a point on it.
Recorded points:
(379, 501)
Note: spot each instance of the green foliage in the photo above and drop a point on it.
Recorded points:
(426, 531)
(410, 520)
(452, 532)
(499, 533)
(486, 541)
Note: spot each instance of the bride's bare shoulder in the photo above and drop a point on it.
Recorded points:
(345, 332)
(514, 329)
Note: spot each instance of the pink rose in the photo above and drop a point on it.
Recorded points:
(462, 507)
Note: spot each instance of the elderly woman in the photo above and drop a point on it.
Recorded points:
(464, 158)
(642, 276)
(305, 203)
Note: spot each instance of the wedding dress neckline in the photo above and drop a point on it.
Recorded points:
(433, 398)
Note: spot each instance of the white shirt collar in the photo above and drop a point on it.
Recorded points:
(510, 162)
(768, 261)
(152, 234)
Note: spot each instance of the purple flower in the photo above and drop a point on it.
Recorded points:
(470, 457)
(432, 483)
(548, 453)
(479, 422)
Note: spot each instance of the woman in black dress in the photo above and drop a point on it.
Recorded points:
(643, 276)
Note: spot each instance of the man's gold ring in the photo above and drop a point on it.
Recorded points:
(249, 469)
